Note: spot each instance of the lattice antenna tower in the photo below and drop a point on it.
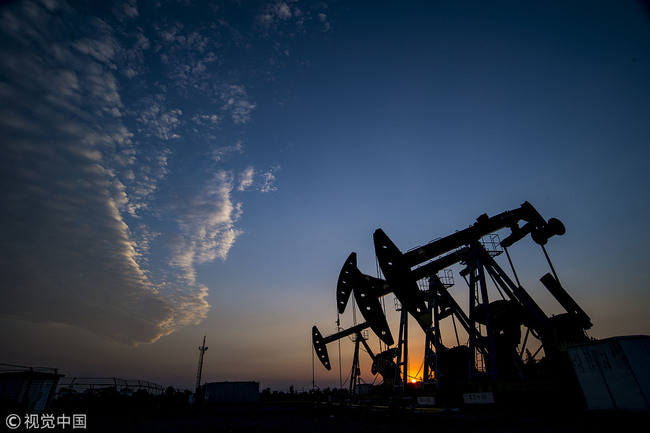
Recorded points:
(202, 349)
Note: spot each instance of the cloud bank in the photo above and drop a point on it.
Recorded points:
(117, 178)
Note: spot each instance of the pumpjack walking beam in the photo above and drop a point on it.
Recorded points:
(401, 278)
(535, 225)
(396, 265)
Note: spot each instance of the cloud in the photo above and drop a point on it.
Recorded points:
(246, 178)
(251, 180)
(208, 225)
(206, 119)
(323, 19)
(128, 9)
(188, 57)
(236, 103)
(191, 60)
(285, 18)
(67, 254)
(282, 10)
(143, 178)
(77, 184)
(274, 12)
(130, 58)
(116, 187)
(219, 153)
(159, 121)
(268, 183)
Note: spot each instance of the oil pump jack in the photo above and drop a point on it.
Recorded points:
(492, 359)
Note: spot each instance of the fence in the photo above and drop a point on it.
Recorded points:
(90, 384)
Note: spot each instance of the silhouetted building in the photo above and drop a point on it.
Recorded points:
(613, 372)
(28, 388)
(232, 392)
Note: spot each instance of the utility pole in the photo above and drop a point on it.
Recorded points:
(202, 349)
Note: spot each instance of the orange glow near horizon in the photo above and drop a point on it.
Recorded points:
(415, 377)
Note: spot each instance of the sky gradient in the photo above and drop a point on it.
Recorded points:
(173, 169)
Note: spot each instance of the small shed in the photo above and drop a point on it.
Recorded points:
(613, 372)
(232, 392)
(31, 388)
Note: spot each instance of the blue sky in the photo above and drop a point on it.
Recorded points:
(172, 169)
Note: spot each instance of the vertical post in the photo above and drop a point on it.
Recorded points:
(313, 371)
(406, 347)
(401, 372)
(355, 364)
(488, 322)
(432, 337)
(338, 329)
(202, 350)
(473, 340)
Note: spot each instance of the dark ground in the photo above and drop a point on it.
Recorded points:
(305, 417)
(108, 411)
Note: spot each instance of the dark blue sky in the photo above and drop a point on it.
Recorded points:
(174, 169)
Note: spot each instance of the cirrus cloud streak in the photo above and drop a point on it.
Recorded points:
(95, 230)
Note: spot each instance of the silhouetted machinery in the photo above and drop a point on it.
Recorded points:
(496, 357)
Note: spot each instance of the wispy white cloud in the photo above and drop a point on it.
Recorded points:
(114, 188)
(252, 180)
(236, 103)
(70, 171)
(274, 12)
(323, 19)
(131, 57)
(208, 224)
(287, 17)
(246, 179)
(282, 10)
(188, 57)
(68, 256)
(191, 61)
(101, 50)
(128, 9)
(268, 183)
(143, 178)
(219, 153)
(158, 120)
(206, 119)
